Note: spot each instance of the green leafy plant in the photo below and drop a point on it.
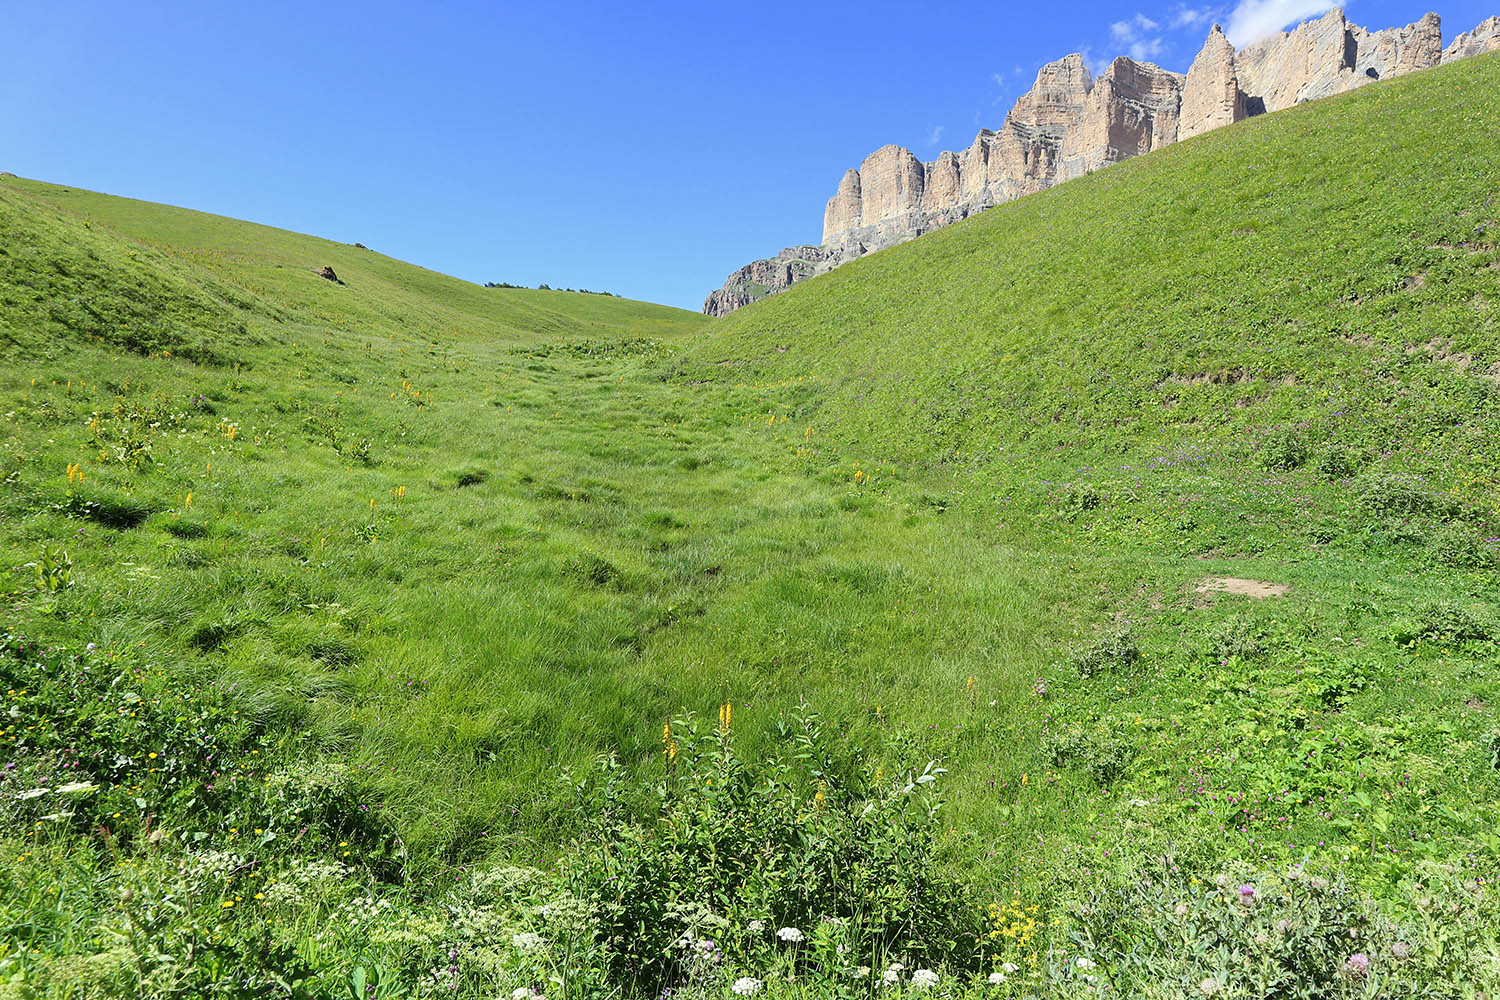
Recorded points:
(53, 570)
(731, 850)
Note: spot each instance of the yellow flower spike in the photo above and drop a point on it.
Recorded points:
(187, 501)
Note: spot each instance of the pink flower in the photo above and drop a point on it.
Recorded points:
(1358, 964)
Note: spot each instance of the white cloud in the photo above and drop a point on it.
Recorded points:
(935, 136)
(1184, 16)
(1147, 49)
(1253, 20)
(1095, 65)
(1125, 32)
(1136, 38)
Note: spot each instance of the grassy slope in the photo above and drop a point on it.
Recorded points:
(729, 572)
(1270, 352)
(946, 461)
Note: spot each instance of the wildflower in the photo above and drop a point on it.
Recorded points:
(1208, 987)
(1401, 951)
(1010, 968)
(79, 787)
(755, 927)
(726, 716)
(527, 941)
(996, 978)
(1084, 963)
(1357, 965)
(1247, 894)
(791, 935)
(923, 979)
(746, 986)
(892, 975)
(520, 993)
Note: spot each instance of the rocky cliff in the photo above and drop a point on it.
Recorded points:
(1071, 123)
(1485, 38)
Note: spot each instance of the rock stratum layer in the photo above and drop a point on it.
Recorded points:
(1071, 123)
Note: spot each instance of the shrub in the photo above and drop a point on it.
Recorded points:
(1238, 638)
(1444, 622)
(1323, 531)
(1112, 651)
(1283, 449)
(1339, 462)
(1102, 757)
(1397, 496)
(1461, 547)
(732, 849)
(1080, 499)
(1283, 934)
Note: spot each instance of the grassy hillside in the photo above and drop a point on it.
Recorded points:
(1156, 511)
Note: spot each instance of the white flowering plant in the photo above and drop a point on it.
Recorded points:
(839, 864)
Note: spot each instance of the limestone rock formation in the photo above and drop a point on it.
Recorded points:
(890, 183)
(1212, 97)
(1484, 38)
(760, 278)
(846, 207)
(1132, 109)
(1065, 126)
(1329, 56)
(1069, 124)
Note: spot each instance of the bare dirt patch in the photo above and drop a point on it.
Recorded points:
(1258, 589)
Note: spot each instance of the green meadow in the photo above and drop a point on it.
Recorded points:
(1094, 598)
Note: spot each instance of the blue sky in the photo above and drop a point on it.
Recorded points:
(644, 149)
